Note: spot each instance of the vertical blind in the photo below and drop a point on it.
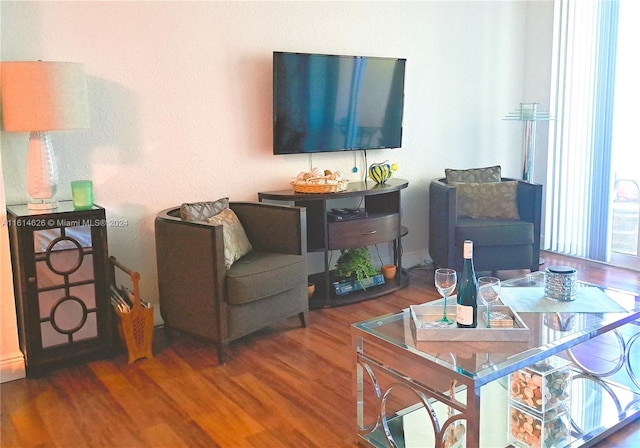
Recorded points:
(579, 180)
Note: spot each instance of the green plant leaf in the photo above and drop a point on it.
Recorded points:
(355, 263)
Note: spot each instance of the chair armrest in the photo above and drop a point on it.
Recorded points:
(273, 227)
(442, 222)
(529, 200)
(190, 262)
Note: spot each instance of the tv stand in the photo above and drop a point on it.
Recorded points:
(381, 224)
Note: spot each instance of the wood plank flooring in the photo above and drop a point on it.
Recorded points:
(284, 386)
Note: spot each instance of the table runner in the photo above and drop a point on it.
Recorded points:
(589, 299)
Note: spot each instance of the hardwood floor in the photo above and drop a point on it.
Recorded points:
(285, 386)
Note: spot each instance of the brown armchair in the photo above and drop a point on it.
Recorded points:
(199, 296)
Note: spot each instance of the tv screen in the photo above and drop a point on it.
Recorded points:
(334, 103)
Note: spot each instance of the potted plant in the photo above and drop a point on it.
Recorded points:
(355, 264)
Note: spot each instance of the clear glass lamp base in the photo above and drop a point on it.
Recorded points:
(42, 173)
(44, 204)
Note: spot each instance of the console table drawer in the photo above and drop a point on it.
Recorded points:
(363, 232)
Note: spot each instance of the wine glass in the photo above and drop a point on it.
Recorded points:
(489, 292)
(488, 364)
(445, 280)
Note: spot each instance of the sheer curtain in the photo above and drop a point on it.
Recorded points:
(579, 181)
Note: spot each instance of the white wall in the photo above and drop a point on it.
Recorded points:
(537, 68)
(11, 360)
(537, 86)
(181, 99)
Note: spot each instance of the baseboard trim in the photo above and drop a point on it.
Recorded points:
(12, 368)
(416, 258)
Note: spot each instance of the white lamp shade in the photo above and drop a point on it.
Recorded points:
(43, 96)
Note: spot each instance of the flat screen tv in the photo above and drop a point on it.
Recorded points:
(327, 103)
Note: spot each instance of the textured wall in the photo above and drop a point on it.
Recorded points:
(181, 98)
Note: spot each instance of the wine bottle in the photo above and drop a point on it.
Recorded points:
(467, 308)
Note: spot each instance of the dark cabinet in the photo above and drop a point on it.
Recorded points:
(60, 269)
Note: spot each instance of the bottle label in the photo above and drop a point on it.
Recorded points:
(467, 250)
(464, 314)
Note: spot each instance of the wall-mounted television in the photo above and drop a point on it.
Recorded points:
(327, 103)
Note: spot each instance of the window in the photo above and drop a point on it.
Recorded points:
(592, 99)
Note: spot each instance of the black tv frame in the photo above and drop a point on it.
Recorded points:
(295, 117)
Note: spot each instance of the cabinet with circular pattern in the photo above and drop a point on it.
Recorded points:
(60, 260)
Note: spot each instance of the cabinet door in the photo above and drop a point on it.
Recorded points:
(65, 281)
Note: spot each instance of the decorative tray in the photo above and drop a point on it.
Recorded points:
(509, 327)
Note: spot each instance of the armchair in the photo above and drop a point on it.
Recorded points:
(198, 295)
(498, 243)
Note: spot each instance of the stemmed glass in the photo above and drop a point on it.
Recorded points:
(488, 364)
(445, 280)
(489, 292)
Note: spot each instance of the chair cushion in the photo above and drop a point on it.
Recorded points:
(487, 200)
(236, 243)
(497, 258)
(262, 274)
(201, 211)
(487, 174)
(494, 232)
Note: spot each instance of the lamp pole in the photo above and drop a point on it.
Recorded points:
(529, 115)
(529, 149)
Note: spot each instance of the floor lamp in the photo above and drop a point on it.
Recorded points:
(528, 113)
(38, 97)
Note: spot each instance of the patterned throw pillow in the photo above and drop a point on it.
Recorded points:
(487, 200)
(236, 243)
(201, 211)
(488, 174)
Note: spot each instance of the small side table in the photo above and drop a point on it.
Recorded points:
(60, 272)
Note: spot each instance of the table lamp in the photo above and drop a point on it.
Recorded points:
(38, 97)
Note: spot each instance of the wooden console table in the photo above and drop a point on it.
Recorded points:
(382, 224)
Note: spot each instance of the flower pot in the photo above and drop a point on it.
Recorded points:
(388, 271)
(310, 290)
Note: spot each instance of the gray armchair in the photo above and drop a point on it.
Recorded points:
(498, 244)
(199, 296)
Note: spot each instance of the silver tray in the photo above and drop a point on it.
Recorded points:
(425, 316)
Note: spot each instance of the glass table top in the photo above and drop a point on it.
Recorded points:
(550, 331)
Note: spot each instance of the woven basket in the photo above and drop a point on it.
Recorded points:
(317, 185)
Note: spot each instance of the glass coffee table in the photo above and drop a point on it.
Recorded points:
(572, 383)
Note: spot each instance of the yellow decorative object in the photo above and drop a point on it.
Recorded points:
(380, 172)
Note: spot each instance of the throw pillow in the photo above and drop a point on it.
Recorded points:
(488, 174)
(236, 243)
(201, 211)
(487, 200)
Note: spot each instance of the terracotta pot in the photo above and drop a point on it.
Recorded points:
(310, 288)
(388, 271)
